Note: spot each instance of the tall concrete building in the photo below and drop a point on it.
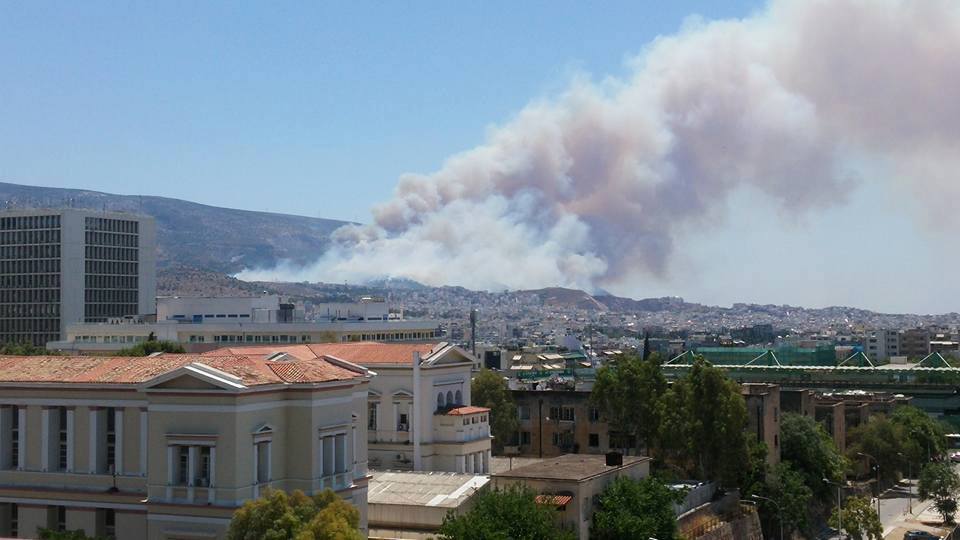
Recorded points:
(881, 344)
(59, 267)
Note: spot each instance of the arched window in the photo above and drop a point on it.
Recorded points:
(459, 398)
(440, 400)
(450, 400)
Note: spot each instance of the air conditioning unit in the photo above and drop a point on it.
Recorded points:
(403, 427)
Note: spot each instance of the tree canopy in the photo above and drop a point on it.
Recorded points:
(629, 394)
(24, 349)
(811, 452)
(489, 389)
(860, 519)
(505, 514)
(146, 348)
(938, 481)
(278, 516)
(632, 509)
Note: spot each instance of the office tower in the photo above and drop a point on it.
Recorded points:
(65, 266)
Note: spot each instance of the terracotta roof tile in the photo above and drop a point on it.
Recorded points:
(252, 370)
(364, 353)
(460, 411)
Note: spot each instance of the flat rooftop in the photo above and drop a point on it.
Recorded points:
(436, 489)
(576, 467)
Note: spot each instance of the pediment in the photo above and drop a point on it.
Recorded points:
(186, 382)
(195, 376)
(450, 356)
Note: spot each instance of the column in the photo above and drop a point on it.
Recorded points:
(256, 471)
(191, 470)
(319, 483)
(94, 456)
(461, 466)
(269, 460)
(71, 435)
(341, 441)
(45, 439)
(211, 496)
(143, 442)
(486, 461)
(22, 438)
(170, 472)
(118, 440)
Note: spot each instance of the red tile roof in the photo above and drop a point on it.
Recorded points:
(251, 370)
(460, 411)
(554, 500)
(364, 353)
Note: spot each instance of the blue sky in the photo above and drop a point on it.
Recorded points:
(317, 108)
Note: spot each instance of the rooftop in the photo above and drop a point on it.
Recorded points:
(364, 353)
(442, 489)
(460, 411)
(120, 370)
(577, 467)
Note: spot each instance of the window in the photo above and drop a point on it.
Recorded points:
(372, 416)
(109, 523)
(441, 403)
(402, 425)
(458, 398)
(523, 412)
(14, 437)
(61, 518)
(594, 440)
(594, 414)
(14, 520)
(562, 414)
(203, 471)
(524, 438)
(450, 400)
(183, 464)
(563, 439)
(62, 438)
(112, 439)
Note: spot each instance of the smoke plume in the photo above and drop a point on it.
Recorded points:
(603, 181)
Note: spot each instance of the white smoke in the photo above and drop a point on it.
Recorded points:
(603, 181)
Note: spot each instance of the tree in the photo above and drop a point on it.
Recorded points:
(704, 424)
(505, 514)
(811, 452)
(629, 394)
(885, 441)
(278, 516)
(24, 349)
(788, 488)
(490, 390)
(636, 509)
(146, 348)
(860, 519)
(938, 481)
(924, 436)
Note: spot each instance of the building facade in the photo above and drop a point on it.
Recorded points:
(880, 345)
(419, 416)
(170, 446)
(556, 422)
(203, 324)
(59, 267)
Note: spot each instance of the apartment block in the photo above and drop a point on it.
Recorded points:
(59, 267)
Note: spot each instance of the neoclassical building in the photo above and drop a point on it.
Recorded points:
(419, 415)
(168, 446)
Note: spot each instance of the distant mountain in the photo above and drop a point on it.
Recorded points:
(559, 297)
(197, 235)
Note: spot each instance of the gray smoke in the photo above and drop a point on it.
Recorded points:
(603, 181)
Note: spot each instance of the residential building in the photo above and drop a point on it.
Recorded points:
(915, 343)
(418, 410)
(203, 324)
(411, 505)
(169, 446)
(572, 484)
(763, 416)
(554, 422)
(59, 267)
(880, 345)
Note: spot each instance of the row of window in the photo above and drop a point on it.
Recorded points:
(102, 312)
(29, 326)
(29, 222)
(390, 336)
(110, 339)
(111, 267)
(112, 239)
(106, 521)
(112, 253)
(558, 413)
(35, 338)
(31, 296)
(30, 281)
(112, 225)
(22, 238)
(111, 296)
(47, 311)
(30, 266)
(111, 282)
(59, 426)
(44, 251)
(563, 439)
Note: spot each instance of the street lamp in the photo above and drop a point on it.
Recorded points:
(779, 510)
(839, 509)
(878, 478)
(909, 482)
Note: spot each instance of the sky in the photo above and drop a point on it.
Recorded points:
(317, 108)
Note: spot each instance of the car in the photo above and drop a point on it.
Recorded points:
(919, 535)
(955, 456)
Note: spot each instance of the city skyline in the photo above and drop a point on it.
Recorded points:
(203, 127)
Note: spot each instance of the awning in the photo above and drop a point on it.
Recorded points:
(554, 500)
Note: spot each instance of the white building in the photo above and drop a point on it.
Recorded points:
(881, 344)
(59, 267)
(202, 324)
(419, 413)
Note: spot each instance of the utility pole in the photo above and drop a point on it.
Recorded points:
(878, 478)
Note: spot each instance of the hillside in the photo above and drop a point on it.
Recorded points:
(197, 235)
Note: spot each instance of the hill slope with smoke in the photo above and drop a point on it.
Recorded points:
(605, 180)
